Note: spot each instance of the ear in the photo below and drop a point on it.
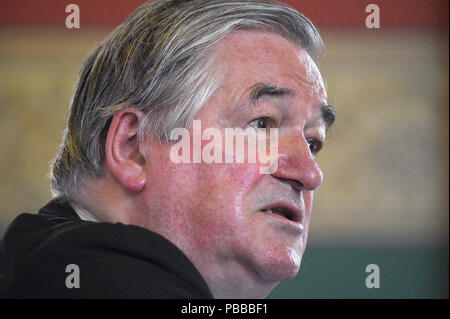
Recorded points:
(123, 151)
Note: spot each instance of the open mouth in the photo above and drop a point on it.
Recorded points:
(284, 212)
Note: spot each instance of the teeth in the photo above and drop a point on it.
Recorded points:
(269, 211)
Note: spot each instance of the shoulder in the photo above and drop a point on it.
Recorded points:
(110, 260)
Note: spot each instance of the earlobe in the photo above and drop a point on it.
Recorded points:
(135, 183)
(123, 153)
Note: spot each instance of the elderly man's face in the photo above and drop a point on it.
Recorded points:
(218, 214)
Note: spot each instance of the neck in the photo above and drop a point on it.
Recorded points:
(106, 202)
(227, 278)
(238, 284)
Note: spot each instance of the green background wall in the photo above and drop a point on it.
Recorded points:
(339, 272)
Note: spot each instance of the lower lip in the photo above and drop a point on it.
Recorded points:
(296, 226)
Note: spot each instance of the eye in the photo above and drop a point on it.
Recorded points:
(315, 146)
(262, 122)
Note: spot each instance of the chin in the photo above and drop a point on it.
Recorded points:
(284, 268)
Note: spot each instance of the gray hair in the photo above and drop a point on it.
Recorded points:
(158, 61)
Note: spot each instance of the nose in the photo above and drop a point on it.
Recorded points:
(296, 165)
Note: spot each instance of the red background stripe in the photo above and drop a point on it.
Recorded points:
(324, 13)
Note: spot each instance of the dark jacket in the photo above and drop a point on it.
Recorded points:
(49, 254)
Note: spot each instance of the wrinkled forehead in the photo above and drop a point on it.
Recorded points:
(246, 57)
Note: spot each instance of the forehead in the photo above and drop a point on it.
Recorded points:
(246, 57)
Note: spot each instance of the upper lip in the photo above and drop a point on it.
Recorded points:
(288, 209)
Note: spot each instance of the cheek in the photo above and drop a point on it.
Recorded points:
(225, 187)
(221, 212)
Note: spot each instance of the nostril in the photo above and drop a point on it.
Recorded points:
(296, 185)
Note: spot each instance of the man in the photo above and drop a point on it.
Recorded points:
(129, 221)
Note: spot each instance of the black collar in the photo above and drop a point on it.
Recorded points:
(59, 207)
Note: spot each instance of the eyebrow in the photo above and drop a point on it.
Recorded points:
(328, 115)
(259, 90)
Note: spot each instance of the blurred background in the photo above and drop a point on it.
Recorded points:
(384, 199)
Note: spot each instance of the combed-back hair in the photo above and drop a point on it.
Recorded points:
(159, 61)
